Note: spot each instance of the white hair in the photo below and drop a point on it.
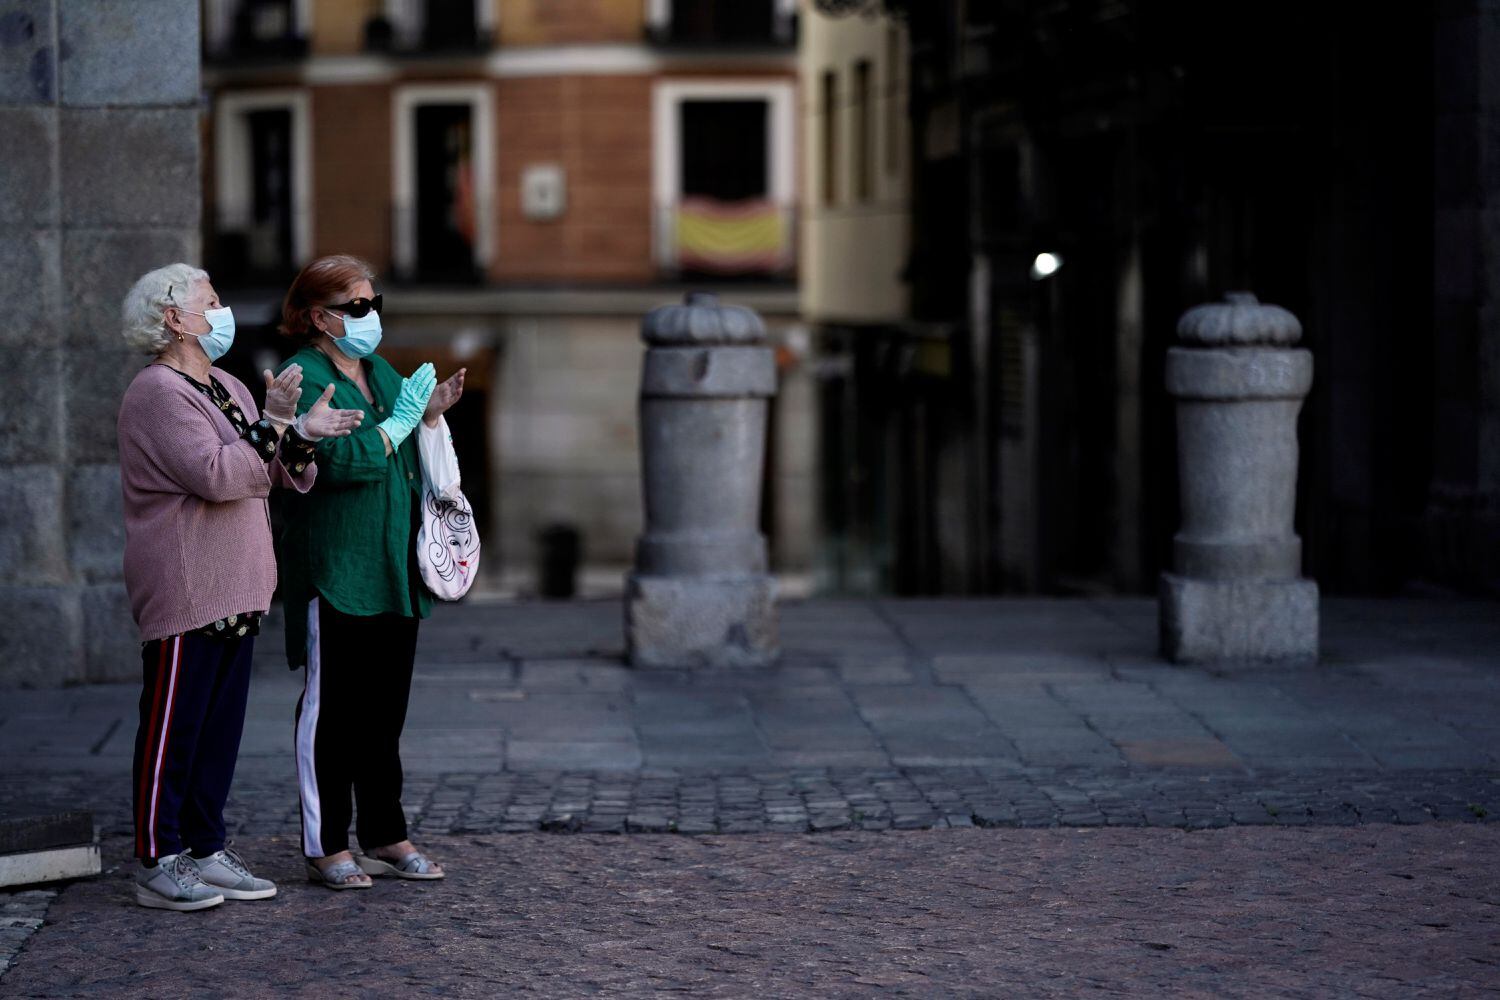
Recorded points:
(146, 304)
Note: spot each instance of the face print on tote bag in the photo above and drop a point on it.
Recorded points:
(449, 545)
(447, 541)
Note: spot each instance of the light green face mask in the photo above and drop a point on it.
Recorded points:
(220, 336)
(361, 334)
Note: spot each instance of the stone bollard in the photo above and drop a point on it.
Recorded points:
(1237, 591)
(699, 595)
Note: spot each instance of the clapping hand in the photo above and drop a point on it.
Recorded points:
(410, 403)
(282, 393)
(444, 396)
(322, 421)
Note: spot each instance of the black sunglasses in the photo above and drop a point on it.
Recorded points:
(358, 308)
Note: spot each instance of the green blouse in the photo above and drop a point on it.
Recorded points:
(351, 539)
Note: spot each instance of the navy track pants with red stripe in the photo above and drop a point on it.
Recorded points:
(192, 714)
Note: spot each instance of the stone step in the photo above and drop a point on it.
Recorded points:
(47, 846)
(36, 830)
(51, 865)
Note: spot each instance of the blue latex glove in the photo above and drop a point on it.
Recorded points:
(411, 403)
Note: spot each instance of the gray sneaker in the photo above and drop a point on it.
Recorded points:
(174, 885)
(227, 872)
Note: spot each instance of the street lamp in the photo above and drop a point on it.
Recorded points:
(1045, 265)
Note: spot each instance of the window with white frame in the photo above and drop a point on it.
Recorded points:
(723, 177)
(263, 182)
(443, 193)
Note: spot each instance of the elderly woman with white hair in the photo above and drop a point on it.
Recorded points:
(197, 461)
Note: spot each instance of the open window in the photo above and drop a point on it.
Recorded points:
(262, 225)
(723, 178)
(444, 180)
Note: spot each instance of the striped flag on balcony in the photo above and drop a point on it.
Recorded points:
(728, 237)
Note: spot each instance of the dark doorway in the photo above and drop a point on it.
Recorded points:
(269, 229)
(1167, 162)
(446, 212)
(724, 149)
(1077, 399)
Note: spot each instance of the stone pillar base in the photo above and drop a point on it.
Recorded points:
(1250, 620)
(701, 621)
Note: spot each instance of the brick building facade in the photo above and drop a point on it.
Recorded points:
(528, 177)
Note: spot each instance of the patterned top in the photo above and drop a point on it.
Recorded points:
(296, 454)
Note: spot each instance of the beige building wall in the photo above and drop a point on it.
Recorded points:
(566, 431)
(338, 26)
(856, 203)
(563, 428)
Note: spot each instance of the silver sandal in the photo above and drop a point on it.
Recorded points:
(415, 865)
(337, 876)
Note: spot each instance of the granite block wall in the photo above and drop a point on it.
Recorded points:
(99, 168)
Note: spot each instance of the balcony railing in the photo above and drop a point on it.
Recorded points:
(255, 31)
(430, 27)
(695, 238)
(240, 248)
(428, 250)
(754, 238)
(724, 24)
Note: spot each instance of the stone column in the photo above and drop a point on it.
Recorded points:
(99, 182)
(699, 595)
(1237, 591)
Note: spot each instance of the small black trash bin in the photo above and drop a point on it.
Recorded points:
(559, 549)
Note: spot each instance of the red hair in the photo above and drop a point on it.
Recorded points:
(321, 282)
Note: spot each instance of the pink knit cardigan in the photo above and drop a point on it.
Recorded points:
(197, 525)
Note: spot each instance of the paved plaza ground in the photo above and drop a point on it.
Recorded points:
(1380, 911)
(1126, 823)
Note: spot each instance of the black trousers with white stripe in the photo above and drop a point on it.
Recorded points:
(349, 722)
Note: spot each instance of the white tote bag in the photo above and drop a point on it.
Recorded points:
(447, 541)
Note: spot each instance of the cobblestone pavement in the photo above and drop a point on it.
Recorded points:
(883, 716)
(22, 913)
(1380, 911)
(903, 714)
(823, 800)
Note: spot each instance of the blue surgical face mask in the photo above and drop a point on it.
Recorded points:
(361, 334)
(220, 336)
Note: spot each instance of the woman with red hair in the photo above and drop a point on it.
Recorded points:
(353, 593)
